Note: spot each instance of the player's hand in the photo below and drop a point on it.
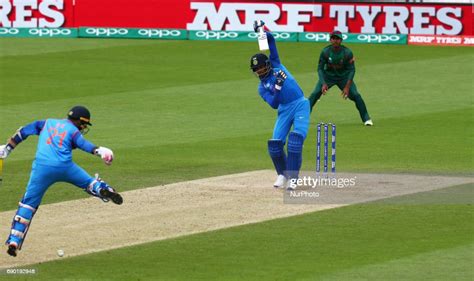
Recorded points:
(257, 24)
(4, 151)
(106, 154)
(345, 93)
(324, 89)
(280, 79)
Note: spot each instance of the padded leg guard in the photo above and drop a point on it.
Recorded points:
(295, 149)
(20, 225)
(94, 187)
(275, 149)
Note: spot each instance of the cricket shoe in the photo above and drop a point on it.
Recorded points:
(368, 123)
(280, 181)
(12, 249)
(110, 194)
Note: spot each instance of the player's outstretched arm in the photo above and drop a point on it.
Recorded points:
(106, 154)
(20, 135)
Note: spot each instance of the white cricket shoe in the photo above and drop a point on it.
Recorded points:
(280, 181)
(368, 123)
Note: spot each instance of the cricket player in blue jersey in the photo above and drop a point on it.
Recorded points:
(53, 163)
(281, 91)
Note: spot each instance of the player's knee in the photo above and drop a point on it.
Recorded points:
(24, 214)
(302, 131)
(275, 147)
(295, 142)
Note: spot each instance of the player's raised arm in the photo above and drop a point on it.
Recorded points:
(274, 57)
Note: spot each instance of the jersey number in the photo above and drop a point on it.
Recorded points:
(54, 132)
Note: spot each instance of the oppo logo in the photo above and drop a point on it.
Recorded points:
(277, 35)
(320, 36)
(252, 35)
(217, 34)
(50, 32)
(159, 33)
(106, 31)
(378, 38)
(281, 35)
(9, 31)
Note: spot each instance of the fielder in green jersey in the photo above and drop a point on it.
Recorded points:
(336, 67)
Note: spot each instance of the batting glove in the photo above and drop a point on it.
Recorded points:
(5, 150)
(257, 24)
(106, 154)
(280, 80)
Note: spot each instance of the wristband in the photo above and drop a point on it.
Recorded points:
(9, 148)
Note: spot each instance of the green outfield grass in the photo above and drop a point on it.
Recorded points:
(180, 110)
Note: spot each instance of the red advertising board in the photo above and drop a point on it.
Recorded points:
(441, 40)
(308, 16)
(135, 13)
(323, 17)
(36, 13)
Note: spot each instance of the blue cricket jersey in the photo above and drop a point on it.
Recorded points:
(290, 91)
(57, 139)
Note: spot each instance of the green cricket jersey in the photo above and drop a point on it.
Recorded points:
(336, 64)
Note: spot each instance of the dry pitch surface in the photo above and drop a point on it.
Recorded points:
(185, 208)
